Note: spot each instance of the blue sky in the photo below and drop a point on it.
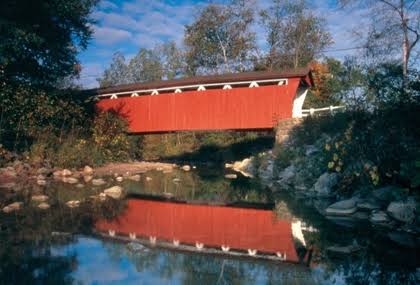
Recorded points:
(126, 26)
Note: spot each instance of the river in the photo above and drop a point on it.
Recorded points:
(195, 227)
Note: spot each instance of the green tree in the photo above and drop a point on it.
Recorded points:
(220, 38)
(117, 73)
(172, 60)
(295, 36)
(145, 66)
(39, 40)
(394, 29)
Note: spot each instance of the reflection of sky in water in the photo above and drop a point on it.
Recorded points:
(105, 262)
(97, 266)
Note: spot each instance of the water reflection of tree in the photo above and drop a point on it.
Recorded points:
(215, 188)
(27, 237)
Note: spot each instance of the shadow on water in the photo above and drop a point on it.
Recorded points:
(212, 154)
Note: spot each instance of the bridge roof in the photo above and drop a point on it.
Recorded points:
(304, 73)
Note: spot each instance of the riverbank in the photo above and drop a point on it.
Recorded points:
(352, 169)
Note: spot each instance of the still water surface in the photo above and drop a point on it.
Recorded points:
(91, 245)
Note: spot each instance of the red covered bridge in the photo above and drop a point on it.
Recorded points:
(244, 101)
(224, 229)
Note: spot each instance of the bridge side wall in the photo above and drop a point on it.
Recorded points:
(240, 108)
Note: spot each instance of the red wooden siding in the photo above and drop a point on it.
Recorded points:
(239, 108)
(240, 229)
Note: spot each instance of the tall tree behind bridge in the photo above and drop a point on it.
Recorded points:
(39, 40)
(220, 38)
(295, 36)
(117, 72)
(145, 66)
(394, 29)
(165, 61)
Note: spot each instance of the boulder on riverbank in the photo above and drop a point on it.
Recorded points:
(402, 211)
(325, 184)
(245, 166)
(87, 170)
(114, 192)
(342, 208)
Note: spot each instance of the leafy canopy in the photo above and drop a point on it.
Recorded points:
(40, 39)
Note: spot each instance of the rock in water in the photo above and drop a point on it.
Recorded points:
(148, 178)
(379, 217)
(287, 174)
(135, 246)
(98, 182)
(13, 207)
(66, 172)
(403, 212)
(135, 177)
(41, 182)
(44, 206)
(344, 207)
(231, 176)
(325, 184)
(114, 192)
(73, 203)
(87, 170)
(39, 198)
(186, 168)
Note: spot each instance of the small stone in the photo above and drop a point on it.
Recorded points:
(344, 207)
(176, 180)
(325, 184)
(134, 246)
(57, 173)
(44, 206)
(73, 203)
(379, 217)
(66, 172)
(231, 176)
(80, 185)
(41, 177)
(186, 167)
(368, 205)
(102, 196)
(403, 212)
(119, 179)
(167, 170)
(148, 178)
(70, 180)
(135, 177)
(39, 198)
(87, 178)
(98, 182)
(159, 168)
(41, 182)
(13, 207)
(87, 170)
(114, 192)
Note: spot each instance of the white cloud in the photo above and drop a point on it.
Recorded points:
(110, 36)
(107, 5)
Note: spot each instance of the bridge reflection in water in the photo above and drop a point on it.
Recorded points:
(227, 230)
